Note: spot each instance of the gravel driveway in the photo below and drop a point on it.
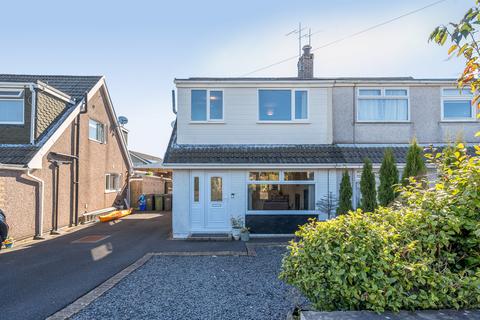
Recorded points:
(201, 287)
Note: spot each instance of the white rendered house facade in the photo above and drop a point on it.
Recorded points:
(270, 149)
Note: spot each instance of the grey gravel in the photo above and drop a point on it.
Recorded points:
(201, 287)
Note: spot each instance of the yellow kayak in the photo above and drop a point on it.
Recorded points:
(115, 215)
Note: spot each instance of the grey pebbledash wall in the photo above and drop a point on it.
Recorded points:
(425, 121)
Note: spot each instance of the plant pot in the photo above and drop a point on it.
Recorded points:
(245, 236)
(8, 245)
(236, 232)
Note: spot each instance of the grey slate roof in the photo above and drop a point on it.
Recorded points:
(17, 155)
(74, 86)
(275, 154)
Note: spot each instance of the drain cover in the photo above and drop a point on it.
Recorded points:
(91, 239)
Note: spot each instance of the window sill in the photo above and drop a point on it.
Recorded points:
(208, 122)
(459, 121)
(283, 122)
(12, 123)
(100, 142)
(383, 122)
(112, 191)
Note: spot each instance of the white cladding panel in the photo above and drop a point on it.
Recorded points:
(241, 126)
(181, 203)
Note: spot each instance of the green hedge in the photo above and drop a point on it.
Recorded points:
(422, 253)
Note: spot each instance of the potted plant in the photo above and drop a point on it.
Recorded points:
(245, 234)
(8, 243)
(237, 225)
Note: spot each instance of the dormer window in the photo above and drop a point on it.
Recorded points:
(11, 106)
(207, 105)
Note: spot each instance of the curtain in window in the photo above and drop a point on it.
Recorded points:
(382, 109)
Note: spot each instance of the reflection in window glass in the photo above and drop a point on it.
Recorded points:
(370, 92)
(457, 109)
(265, 176)
(216, 193)
(216, 105)
(301, 108)
(275, 105)
(281, 197)
(196, 189)
(298, 175)
(396, 92)
(199, 105)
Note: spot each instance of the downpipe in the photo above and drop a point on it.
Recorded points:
(39, 229)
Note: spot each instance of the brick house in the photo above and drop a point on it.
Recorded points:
(63, 156)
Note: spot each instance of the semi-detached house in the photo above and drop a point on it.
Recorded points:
(268, 149)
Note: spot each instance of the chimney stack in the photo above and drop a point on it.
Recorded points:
(305, 63)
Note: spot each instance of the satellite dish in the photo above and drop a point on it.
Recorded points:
(123, 120)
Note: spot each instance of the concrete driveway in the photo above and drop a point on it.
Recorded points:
(42, 278)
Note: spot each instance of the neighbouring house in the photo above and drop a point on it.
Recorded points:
(143, 160)
(63, 157)
(269, 149)
(151, 180)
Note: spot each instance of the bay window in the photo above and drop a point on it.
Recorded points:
(382, 105)
(457, 105)
(282, 105)
(281, 191)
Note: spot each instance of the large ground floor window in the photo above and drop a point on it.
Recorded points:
(281, 197)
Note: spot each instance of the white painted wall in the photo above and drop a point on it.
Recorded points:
(181, 204)
(241, 125)
(189, 217)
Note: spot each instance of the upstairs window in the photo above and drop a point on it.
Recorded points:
(282, 105)
(11, 106)
(382, 105)
(457, 105)
(207, 105)
(96, 131)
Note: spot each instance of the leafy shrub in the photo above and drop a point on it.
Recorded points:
(421, 253)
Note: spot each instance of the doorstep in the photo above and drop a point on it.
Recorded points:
(210, 237)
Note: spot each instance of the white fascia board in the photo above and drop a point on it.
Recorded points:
(117, 125)
(36, 161)
(54, 92)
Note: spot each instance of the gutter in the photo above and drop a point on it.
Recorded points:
(39, 229)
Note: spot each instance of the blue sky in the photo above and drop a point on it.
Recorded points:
(141, 46)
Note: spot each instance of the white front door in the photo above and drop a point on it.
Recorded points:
(216, 216)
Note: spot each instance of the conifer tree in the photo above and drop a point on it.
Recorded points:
(345, 201)
(367, 187)
(415, 166)
(388, 179)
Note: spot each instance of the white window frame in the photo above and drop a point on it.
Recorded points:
(292, 106)
(382, 96)
(110, 189)
(281, 181)
(13, 97)
(444, 98)
(104, 131)
(208, 120)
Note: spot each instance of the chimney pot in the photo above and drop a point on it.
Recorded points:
(305, 63)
